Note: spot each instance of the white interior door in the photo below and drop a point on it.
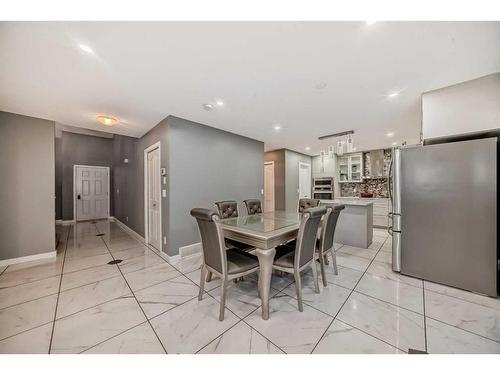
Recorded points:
(91, 189)
(304, 180)
(268, 187)
(154, 198)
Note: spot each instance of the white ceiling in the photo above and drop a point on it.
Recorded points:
(266, 73)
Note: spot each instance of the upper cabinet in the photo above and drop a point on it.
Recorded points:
(350, 167)
(324, 166)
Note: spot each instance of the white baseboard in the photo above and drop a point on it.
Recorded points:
(29, 258)
(127, 229)
(188, 250)
(64, 222)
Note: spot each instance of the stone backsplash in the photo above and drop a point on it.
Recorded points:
(377, 186)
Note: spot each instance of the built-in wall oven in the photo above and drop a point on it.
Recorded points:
(323, 188)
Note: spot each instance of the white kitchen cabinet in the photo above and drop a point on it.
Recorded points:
(323, 166)
(350, 167)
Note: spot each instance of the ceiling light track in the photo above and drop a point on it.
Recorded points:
(336, 135)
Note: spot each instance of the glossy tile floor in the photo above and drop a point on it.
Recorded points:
(78, 303)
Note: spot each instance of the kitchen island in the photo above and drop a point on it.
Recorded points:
(355, 223)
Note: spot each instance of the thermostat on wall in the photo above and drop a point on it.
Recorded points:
(163, 172)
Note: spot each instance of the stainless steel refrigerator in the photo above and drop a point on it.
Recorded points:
(444, 213)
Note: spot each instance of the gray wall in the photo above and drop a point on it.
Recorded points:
(58, 176)
(278, 156)
(27, 165)
(286, 177)
(467, 107)
(84, 150)
(206, 165)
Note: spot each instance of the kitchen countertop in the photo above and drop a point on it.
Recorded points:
(359, 198)
(348, 201)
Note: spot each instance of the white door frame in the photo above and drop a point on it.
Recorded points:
(75, 218)
(308, 165)
(274, 186)
(156, 145)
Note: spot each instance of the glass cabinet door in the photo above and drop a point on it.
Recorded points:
(356, 167)
(344, 169)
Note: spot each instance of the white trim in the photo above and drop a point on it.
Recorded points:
(301, 163)
(154, 146)
(189, 250)
(28, 258)
(65, 222)
(274, 186)
(74, 190)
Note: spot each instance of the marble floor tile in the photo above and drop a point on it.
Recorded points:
(341, 338)
(150, 276)
(28, 291)
(85, 243)
(34, 341)
(376, 244)
(77, 299)
(138, 340)
(395, 292)
(188, 264)
(166, 295)
(481, 320)
(329, 300)
(121, 243)
(140, 262)
(444, 339)
(357, 251)
(77, 264)
(17, 274)
(2, 268)
(491, 302)
(78, 332)
(385, 270)
(88, 276)
(308, 325)
(72, 253)
(397, 326)
(384, 257)
(241, 339)
(191, 326)
(243, 297)
(347, 277)
(133, 252)
(352, 261)
(28, 315)
(195, 277)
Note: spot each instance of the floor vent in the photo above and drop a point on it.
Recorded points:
(116, 261)
(100, 234)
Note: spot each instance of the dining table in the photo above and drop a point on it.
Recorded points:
(265, 231)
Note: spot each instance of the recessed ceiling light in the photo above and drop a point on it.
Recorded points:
(394, 143)
(107, 120)
(207, 107)
(220, 103)
(308, 148)
(86, 49)
(390, 134)
(393, 94)
(369, 23)
(277, 127)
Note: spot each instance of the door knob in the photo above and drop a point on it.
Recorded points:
(78, 197)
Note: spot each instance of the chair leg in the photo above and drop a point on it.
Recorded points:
(209, 276)
(222, 299)
(326, 259)
(334, 262)
(202, 283)
(315, 276)
(298, 287)
(322, 268)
